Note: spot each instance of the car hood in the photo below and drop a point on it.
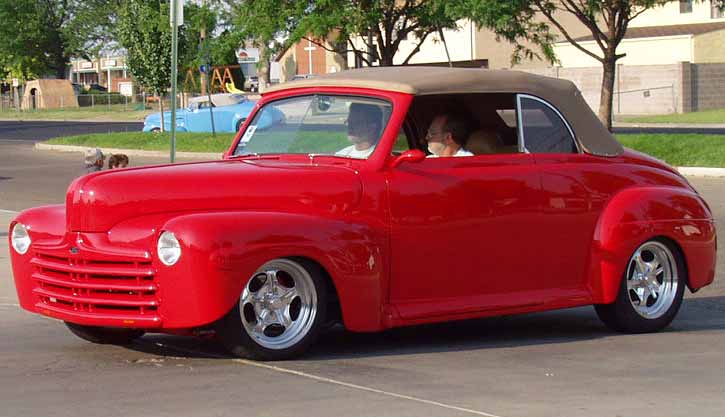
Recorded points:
(96, 202)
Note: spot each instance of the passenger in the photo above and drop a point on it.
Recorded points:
(363, 130)
(94, 160)
(118, 160)
(447, 136)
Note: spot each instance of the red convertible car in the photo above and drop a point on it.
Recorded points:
(386, 197)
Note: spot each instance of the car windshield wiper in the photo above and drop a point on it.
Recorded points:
(255, 155)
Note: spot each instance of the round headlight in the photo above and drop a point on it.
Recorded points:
(168, 248)
(20, 238)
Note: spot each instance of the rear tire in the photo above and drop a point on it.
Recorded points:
(280, 313)
(651, 290)
(105, 335)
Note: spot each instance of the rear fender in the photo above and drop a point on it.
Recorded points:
(221, 251)
(638, 214)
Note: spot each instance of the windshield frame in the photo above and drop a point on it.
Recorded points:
(391, 98)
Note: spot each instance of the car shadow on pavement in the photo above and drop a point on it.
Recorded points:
(554, 327)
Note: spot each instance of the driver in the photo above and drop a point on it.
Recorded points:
(363, 130)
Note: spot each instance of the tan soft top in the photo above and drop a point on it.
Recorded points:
(591, 134)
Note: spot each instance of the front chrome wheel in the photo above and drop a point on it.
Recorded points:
(652, 280)
(280, 312)
(279, 304)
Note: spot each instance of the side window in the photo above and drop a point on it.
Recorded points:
(542, 128)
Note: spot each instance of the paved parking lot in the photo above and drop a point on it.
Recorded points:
(562, 363)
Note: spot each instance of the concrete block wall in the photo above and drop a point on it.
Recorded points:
(708, 86)
(651, 89)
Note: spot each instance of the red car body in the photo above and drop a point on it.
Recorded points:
(402, 243)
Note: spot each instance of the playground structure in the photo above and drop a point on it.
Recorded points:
(222, 80)
(48, 94)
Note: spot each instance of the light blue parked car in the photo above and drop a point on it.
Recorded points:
(229, 110)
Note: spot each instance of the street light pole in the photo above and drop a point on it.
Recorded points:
(174, 58)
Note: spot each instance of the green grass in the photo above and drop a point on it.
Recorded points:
(263, 142)
(117, 112)
(706, 116)
(680, 150)
(185, 142)
(677, 150)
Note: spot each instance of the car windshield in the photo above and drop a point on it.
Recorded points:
(345, 126)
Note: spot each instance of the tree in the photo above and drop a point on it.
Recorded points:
(143, 30)
(41, 36)
(607, 20)
(371, 30)
(266, 24)
(207, 38)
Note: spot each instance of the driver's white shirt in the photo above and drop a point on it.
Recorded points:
(351, 152)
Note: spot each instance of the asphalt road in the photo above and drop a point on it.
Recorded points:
(36, 131)
(562, 363)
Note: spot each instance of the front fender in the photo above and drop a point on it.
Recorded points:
(638, 214)
(222, 250)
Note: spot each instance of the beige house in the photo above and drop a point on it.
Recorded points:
(110, 72)
(679, 31)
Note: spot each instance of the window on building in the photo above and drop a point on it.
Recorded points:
(685, 6)
(715, 11)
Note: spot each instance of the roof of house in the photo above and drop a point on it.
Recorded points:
(419, 81)
(660, 31)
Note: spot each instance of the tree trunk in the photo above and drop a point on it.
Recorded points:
(609, 67)
(263, 68)
(386, 58)
(161, 109)
(202, 78)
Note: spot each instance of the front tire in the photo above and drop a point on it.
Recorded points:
(651, 291)
(105, 335)
(280, 312)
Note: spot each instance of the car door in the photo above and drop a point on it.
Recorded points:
(464, 234)
(571, 191)
(200, 120)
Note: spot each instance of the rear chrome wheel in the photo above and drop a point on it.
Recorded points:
(652, 280)
(279, 312)
(651, 291)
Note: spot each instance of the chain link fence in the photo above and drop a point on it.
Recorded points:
(98, 102)
(92, 102)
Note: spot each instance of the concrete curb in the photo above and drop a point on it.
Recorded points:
(687, 171)
(129, 152)
(702, 172)
(671, 125)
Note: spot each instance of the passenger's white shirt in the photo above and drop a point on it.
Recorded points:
(459, 152)
(351, 152)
